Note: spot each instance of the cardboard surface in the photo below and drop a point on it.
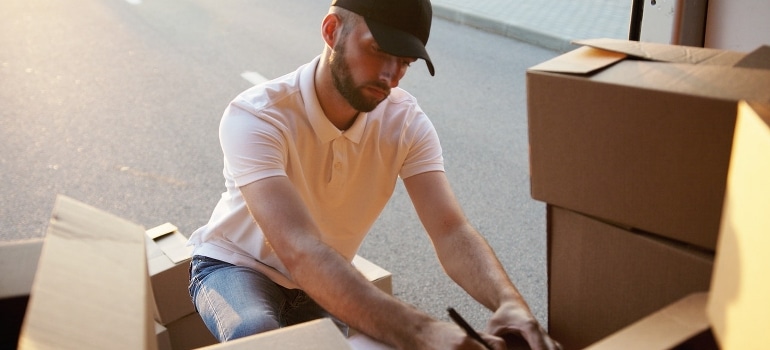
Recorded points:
(738, 305)
(603, 278)
(18, 262)
(644, 144)
(377, 275)
(91, 289)
(162, 337)
(168, 259)
(314, 335)
(664, 52)
(667, 328)
(189, 332)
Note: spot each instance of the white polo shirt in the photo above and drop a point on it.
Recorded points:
(344, 178)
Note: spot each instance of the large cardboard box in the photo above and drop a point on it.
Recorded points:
(680, 325)
(603, 277)
(639, 133)
(91, 289)
(320, 334)
(168, 258)
(18, 263)
(739, 305)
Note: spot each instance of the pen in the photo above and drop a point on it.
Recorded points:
(468, 329)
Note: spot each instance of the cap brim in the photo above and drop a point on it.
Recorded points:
(399, 43)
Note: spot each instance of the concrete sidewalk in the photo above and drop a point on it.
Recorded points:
(551, 24)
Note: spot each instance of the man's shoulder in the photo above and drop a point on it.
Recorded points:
(267, 94)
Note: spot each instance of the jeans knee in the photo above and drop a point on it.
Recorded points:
(249, 323)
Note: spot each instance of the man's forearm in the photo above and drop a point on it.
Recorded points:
(338, 287)
(470, 262)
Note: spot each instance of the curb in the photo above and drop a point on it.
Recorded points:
(510, 30)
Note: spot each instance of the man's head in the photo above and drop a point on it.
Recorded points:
(400, 27)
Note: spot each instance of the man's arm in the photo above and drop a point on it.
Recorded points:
(469, 260)
(331, 280)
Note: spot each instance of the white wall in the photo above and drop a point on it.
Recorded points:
(738, 25)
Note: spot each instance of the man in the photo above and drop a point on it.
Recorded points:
(310, 160)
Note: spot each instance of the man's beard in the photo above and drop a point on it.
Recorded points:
(344, 83)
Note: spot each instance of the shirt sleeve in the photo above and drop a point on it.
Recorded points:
(253, 146)
(425, 152)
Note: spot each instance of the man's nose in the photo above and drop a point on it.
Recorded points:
(390, 72)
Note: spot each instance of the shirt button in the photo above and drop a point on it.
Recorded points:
(338, 165)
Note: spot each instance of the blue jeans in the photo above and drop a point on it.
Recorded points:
(237, 301)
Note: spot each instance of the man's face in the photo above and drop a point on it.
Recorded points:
(356, 58)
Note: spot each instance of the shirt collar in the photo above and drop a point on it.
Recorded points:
(323, 128)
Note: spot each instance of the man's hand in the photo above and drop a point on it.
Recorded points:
(445, 335)
(519, 327)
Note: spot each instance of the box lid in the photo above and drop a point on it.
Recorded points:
(738, 304)
(91, 289)
(319, 334)
(595, 54)
(664, 52)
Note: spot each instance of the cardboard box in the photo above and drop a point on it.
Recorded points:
(377, 275)
(681, 325)
(603, 277)
(162, 337)
(642, 143)
(738, 303)
(320, 334)
(91, 289)
(18, 263)
(168, 259)
(189, 332)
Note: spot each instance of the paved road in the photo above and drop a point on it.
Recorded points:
(117, 105)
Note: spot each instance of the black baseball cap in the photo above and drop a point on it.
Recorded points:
(400, 27)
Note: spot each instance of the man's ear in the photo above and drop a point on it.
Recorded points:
(331, 28)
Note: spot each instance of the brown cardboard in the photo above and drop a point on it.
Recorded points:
(680, 323)
(314, 335)
(162, 337)
(377, 275)
(738, 303)
(18, 262)
(91, 289)
(603, 278)
(644, 144)
(168, 258)
(189, 332)
(664, 52)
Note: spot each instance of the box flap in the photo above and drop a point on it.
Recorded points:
(663, 329)
(91, 289)
(319, 334)
(161, 230)
(662, 52)
(759, 58)
(371, 271)
(18, 262)
(583, 60)
(738, 305)
(172, 243)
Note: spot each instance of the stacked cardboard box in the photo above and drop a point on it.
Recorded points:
(735, 309)
(630, 145)
(168, 260)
